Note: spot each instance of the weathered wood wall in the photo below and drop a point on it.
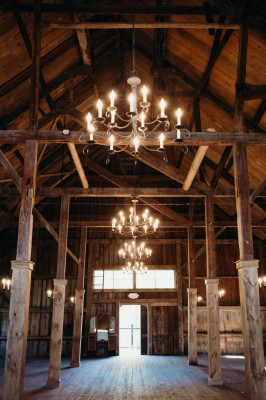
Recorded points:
(164, 311)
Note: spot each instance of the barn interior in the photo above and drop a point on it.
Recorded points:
(196, 161)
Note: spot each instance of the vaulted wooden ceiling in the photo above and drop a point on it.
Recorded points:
(191, 68)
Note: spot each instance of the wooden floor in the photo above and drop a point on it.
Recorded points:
(134, 377)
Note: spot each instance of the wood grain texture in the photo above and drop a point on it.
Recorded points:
(192, 327)
(56, 333)
(17, 330)
(214, 352)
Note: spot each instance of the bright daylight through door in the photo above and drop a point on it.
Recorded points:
(129, 329)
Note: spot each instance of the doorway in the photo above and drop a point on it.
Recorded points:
(130, 330)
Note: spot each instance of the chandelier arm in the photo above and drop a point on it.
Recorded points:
(122, 119)
(119, 151)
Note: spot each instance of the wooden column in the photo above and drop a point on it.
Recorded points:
(179, 300)
(192, 302)
(88, 296)
(79, 297)
(149, 314)
(22, 266)
(248, 282)
(247, 267)
(59, 299)
(212, 298)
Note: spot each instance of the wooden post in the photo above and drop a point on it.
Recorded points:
(88, 296)
(149, 314)
(79, 297)
(59, 299)
(247, 267)
(22, 266)
(248, 282)
(212, 298)
(192, 302)
(179, 300)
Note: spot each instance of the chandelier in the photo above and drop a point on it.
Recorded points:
(134, 256)
(133, 225)
(142, 131)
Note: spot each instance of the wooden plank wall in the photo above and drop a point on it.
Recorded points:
(164, 317)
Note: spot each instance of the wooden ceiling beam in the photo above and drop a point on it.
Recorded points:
(108, 10)
(78, 165)
(139, 25)
(259, 189)
(86, 51)
(213, 58)
(220, 166)
(107, 224)
(195, 139)
(202, 150)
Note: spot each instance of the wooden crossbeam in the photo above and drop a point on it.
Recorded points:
(246, 91)
(202, 150)
(139, 25)
(86, 8)
(259, 189)
(195, 138)
(78, 165)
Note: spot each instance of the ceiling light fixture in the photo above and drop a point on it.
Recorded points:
(142, 131)
(133, 225)
(134, 256)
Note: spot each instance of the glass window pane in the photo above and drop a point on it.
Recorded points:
(165, 279)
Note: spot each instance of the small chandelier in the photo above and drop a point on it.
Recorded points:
(134, 256)
(6, 284)
(133, 225)
(221, 293)
(141, 130)
(262, 281)
(132, 251)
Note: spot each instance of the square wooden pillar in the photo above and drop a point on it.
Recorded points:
(214, 352)
(77, 329)
(17, 330)
(56, 333)
(192, 327)
(252, 329)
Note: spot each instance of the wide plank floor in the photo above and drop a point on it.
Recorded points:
(134, 377)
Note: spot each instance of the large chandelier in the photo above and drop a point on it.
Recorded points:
(142, 131)
(132, 225)
(134, 256)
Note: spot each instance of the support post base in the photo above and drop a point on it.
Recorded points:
(215, 382)
(52, 383)
(193, 363)
(74, 365)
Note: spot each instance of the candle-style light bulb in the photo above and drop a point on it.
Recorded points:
(144, 93)
(113, 223)
(112, 142)
(178, 115)
(161, 140)
(131, 102)
(49, 293)
(4, 283)
(100, 108)
(8, 283)
(142, 119)
(136, 143)
(162, 105)
(89, 118)
(112, 99)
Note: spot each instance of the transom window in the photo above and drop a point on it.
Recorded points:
(116, 279)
